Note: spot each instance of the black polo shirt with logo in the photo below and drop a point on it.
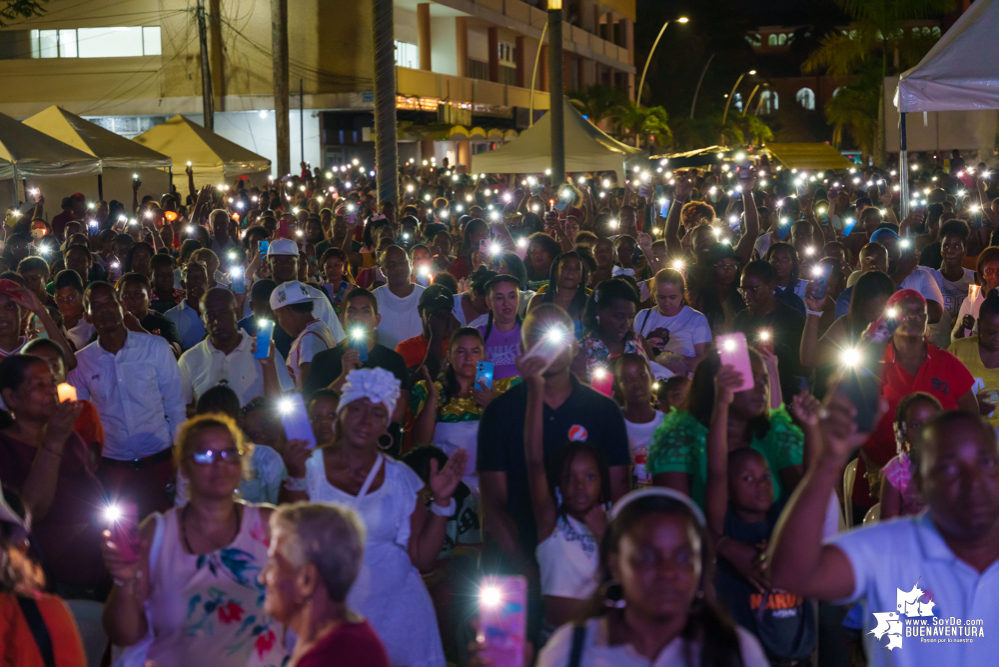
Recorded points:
(586, 415)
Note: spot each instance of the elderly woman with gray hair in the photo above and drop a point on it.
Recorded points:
(314, 557)
(402, 535)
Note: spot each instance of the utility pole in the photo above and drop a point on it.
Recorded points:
(556, 85)
(207, 103)
(301, 118)
(386, 145)
(282, 111)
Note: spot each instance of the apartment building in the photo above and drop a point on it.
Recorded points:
(464, 68)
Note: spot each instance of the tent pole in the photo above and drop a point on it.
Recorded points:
(903, 166)
(100, 187)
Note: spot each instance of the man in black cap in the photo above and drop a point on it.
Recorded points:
(436, 305)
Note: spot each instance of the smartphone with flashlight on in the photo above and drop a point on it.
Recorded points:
(263, 246)
(783, 228)
(765, 341)
(265, 330)
(358, 340)
(820, 280)
(123, 523)
(484, 374)
(295, 419)
(882, 187)
(734, 352)
(238, 280)
(503, 619)
(562, 205)
(553, 343)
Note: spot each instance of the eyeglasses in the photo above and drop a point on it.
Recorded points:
(747, 291)
(210, 456)
(727, 266)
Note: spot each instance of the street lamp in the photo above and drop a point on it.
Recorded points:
(745, 109)
(732, 94)
(641, 83)
(555, 91)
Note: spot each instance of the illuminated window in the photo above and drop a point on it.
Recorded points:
(782, 39)
(106, 42)
(407, 55)
(806, 98)
(768, 102)
(737, 101)
(772, 40)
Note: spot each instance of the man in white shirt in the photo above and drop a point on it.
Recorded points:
(282, 258)
(927, 583)
(134, 382)
(292, 305)
(226, 356)
(187, 314)
(398, 300)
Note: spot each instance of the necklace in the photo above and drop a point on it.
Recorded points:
(183, 528)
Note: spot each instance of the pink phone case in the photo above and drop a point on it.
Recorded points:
(733, 352)
(503, 619)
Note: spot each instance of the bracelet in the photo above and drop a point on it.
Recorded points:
(297, 483)
(817, 313)
(121, 583)
(444, 511)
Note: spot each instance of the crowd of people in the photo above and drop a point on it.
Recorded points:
(295, 424)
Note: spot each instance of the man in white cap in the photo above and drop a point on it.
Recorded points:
(293, 307)
(282, 258)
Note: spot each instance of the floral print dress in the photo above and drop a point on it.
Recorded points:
(207, 610)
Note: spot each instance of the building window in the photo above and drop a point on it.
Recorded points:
(772, 40)
(836, 92)
(806, 98)
(508, 75)
(737, 101)
(768, 102)
(506, 53)
(107, 42)
(407, 55)
(782, 39)
(478, 69)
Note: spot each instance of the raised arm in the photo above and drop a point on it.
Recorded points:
(426, 420)
(716, 495)
(545, 512)
(748, 241)
(799, 562)
(672, 232)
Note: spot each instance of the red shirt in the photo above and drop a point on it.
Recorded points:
(414, 350)
(942, 375)
(348, 645)
(59, 223)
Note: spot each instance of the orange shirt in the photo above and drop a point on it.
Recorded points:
(21, 649)
(414, 350)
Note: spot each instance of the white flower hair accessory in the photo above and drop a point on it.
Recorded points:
(376, 384)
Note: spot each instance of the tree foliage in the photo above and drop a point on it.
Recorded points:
(12, 11)
(598, 102)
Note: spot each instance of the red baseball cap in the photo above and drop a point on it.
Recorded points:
(8, 287)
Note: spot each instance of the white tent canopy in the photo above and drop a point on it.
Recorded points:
(587, 148)
(961, 71)
(35, 153)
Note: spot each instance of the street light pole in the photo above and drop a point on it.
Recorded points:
(555, 91)
(641, 82)
(699, 82)
(732, 94)
(745, 109)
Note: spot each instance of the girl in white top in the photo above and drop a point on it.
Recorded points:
(568, 501)
(680, 333)
(401, 536)
(633, 392)
(654, 609)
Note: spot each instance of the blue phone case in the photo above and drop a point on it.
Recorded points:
(561, 206)
(264, 245)
(239, 284)
(296, 421)
(783, 230)
(265, 330)
(361, 346)
(484, 374)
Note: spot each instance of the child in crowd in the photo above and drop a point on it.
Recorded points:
(899, 495)
(671, 393)
(336, 280)
(633, 391)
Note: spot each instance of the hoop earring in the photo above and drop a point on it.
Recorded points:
(613, 595)
(382, 439)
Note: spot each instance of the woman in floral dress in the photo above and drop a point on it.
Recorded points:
(191, 597)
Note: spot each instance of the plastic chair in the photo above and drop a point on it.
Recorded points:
(873, 515)
(849, 477)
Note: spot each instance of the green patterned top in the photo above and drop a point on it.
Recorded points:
(456, 409)
(680, 445)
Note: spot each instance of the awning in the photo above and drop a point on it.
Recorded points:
(808, 156)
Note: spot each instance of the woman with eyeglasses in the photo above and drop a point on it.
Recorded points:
(192, 585)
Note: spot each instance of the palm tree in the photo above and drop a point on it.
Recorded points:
(597, 102)
(640, 124)
(855, 107)
(877, 33)
(753, 129)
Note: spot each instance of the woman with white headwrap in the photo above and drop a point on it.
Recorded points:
(402, 537)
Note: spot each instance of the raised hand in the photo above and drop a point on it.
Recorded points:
(295, 455)
(443, 482)
(727, 380)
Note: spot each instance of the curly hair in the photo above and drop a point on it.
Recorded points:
(695, 213)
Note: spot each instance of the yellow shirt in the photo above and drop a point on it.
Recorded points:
(986, 379)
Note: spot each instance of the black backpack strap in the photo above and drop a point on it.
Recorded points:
(33, 617)
(578, 640)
